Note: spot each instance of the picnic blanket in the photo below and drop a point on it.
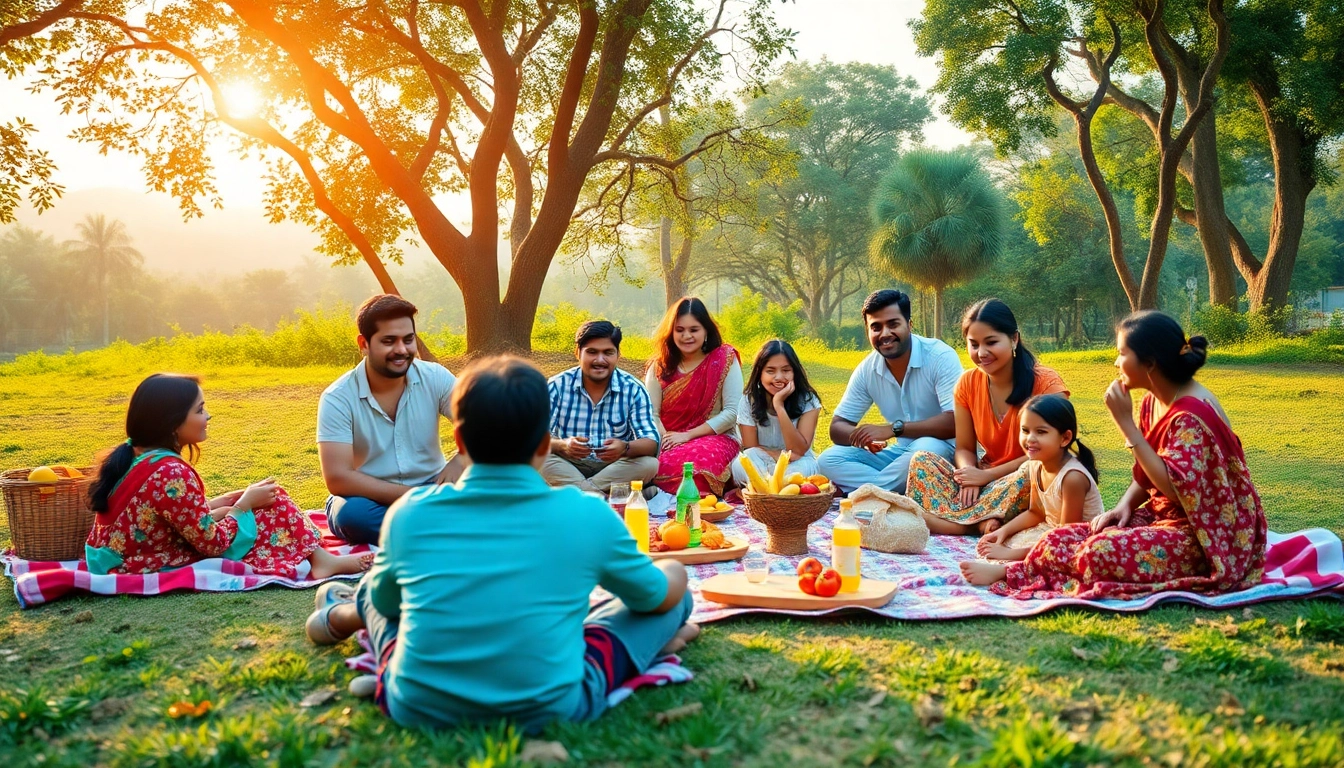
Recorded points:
(663, 671)
(37, 582)
(1301, 564)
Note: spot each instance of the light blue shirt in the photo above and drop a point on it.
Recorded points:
(927, 392)
(490, 578)
(405, 451)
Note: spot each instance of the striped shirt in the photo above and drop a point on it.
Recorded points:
(624, 412)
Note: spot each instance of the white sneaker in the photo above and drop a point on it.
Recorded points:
(364, 686)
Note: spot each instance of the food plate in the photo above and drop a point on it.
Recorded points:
(782, 592)
(714, 515)
(700, 555)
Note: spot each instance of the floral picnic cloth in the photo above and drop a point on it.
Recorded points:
(1299, 564)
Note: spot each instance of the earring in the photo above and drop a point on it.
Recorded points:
(1014, 350)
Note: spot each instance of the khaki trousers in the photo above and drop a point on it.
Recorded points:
(595, 475)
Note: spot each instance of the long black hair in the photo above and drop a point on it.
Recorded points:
(761, 400)
(1057, 411)
(998, 316)
(666, 354)
(158, 407)
(1157, 338)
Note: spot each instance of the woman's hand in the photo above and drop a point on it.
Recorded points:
(259, 495)
(783, 395)
(674, 439)
(1118, 517)
(1120, 404)
(972, 476)
(968, 495)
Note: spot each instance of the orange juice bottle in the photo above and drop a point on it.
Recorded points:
(637, 515)
(845, 539)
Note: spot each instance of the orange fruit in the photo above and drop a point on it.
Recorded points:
(675, 535)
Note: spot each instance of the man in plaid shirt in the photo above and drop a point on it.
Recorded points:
(602, 429)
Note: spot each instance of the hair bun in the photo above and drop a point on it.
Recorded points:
(1197, 352)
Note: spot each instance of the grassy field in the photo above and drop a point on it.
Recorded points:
(87, 681)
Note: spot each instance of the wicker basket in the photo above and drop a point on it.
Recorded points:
(786, 518)
(47, 526)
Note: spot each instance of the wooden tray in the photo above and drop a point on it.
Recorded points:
(779, 591)
(700, 555)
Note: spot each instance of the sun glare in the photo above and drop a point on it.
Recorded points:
(241, 99)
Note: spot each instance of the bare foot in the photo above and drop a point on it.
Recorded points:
(686, 634)
(990, 525)
(983, 574)
(999, 552)
(325, 565)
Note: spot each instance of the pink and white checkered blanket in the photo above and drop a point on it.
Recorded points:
(1300, 564)
(37, 582)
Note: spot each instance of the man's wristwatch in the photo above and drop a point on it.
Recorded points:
(626, 449)
(897, 428)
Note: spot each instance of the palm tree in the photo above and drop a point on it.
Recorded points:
(939, 221)
(105, 247)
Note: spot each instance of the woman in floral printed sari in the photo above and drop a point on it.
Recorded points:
(151, 512)
(695, 385)
(1191, 520)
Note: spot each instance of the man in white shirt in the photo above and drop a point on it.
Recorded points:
(911, 380)
(378, 424)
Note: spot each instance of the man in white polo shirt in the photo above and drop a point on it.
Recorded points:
(378, 424)
(910, 379)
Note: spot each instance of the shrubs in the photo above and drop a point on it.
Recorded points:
(748, 320)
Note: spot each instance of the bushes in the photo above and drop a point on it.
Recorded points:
(749, 320)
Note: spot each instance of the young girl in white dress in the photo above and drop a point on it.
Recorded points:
(1063, 483)
(778, 413)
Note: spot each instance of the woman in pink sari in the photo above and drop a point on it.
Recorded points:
(694, 384)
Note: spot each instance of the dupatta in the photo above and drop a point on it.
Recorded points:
(689, 398)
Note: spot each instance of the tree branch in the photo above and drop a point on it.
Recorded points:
(42, 21)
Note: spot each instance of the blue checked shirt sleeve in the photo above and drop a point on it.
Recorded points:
(555, 388)
(641, 413)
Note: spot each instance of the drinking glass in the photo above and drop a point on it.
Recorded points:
(756, 564)
(617, 496)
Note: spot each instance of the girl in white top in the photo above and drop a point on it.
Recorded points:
(1063, 486)
(778, 413)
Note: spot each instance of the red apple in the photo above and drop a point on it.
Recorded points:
(810, 566)
(808, 583)
(808, 489)
(828, 583)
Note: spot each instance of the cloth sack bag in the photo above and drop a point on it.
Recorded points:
(897, 525)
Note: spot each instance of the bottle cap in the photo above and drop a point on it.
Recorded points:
(846, 504)
(688, 466)
(636, 485)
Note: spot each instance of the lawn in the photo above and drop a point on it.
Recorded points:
(1174, 686)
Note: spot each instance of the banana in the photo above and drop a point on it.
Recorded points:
(758, 483)
(781, 469)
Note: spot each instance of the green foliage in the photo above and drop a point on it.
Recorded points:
(1038, 743)
(1321, 620)
(555, 327)
(749, 320)
(22, 712)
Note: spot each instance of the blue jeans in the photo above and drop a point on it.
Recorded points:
(849, 467)
(356, 519)
(642, 635)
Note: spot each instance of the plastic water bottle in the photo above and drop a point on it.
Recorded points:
(688, 502)
(845, 540)
(637, 515)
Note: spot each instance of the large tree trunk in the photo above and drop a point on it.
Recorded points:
(1211, 214)
(1293, 181)
(938, 312)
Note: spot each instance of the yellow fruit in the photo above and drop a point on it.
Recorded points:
(675, 535)
(796, 478)
(708, 501)
(43, 475)
(824, 488)
(790, 490)
(781, 467)
(758, 483)
(819, 480)
(67, 470)
(723, 506)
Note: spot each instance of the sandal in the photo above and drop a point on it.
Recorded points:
(319, 627)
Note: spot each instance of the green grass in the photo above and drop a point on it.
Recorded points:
(1174, 686)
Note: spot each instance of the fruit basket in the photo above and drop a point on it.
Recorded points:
(786, 518)
(48, 519)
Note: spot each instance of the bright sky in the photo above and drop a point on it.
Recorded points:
(873, 31)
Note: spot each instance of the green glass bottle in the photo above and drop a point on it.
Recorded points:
(688, 502)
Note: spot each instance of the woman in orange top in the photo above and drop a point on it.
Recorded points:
(979, 493)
